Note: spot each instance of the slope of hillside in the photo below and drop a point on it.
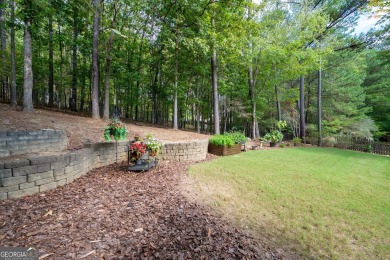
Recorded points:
(80, 129)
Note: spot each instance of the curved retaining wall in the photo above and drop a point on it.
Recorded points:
(23, 177)
(38, 174)
(22, 142)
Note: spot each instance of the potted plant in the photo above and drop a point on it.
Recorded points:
(115, 129)
(275, 136)
(154, 146)
(137, 150)
(297, 141)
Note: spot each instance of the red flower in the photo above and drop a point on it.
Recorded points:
(137, 149)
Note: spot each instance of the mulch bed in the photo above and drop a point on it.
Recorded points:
(112, 213)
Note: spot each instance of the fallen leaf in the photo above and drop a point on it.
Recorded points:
(55, 226)
(95, 241)
(50, 212)
(139, 230)
(45, 255)
(90, 253)
(36, 232)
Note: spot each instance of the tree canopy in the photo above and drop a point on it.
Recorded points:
(206, 65)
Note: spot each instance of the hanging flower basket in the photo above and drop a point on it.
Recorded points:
(115, 129)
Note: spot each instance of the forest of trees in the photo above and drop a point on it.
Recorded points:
(206, 65)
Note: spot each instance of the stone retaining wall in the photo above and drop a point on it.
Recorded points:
(24, 177)
(185, 151)
(22, 142)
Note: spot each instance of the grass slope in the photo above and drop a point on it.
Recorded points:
(321, 202)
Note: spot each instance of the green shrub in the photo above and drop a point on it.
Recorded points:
(274, 136)
(329, 141)
(281, 124)
(238, 137)
(222, 140)
(297, 140)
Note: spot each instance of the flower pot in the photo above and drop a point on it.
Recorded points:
(272, 144)
(138, 162)
(134, 155)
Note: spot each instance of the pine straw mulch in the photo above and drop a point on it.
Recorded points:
(112, 213)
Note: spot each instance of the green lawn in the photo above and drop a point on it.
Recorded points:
(321, 202)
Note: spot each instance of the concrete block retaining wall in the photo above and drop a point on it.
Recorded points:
(24, 177)
(185, 151)
(32, 141)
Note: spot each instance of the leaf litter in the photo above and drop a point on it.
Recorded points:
(111, 213)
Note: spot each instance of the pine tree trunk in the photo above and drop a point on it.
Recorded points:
(3, 46)
(319, 108)
(128, 88)
(253, 101)
(27, 58)
(95, 66)
(308, 102)
(278, 103)
(155, 94)
(73, 95)
(138, 84)
(175, 105)
(214, 82)
(257, 128)
(302, 109)
(51, 66)
(13, 62)
(59, 91)
(83, 83)
(251, 81)
(90, 72)
(197, 109)
(106, 112)
(215, 89)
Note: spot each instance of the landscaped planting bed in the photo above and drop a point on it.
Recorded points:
(112, 213)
